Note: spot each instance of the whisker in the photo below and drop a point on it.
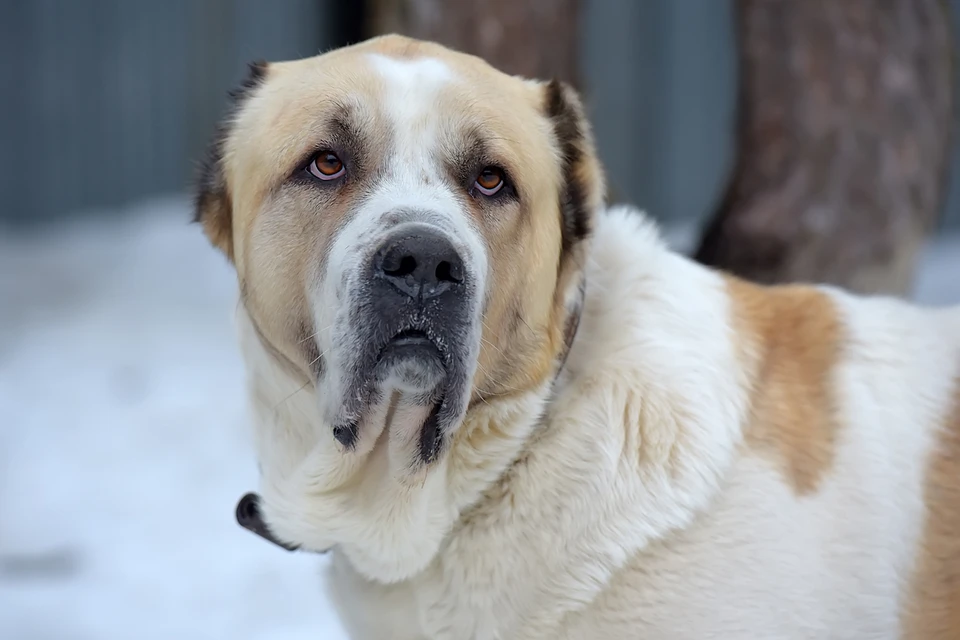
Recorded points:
(317, 359)
(482, 399)
(501, 385)
(484, 340)
(525, 323)
(305, 384)
(492, 346)
(281, 403)
(316, 333)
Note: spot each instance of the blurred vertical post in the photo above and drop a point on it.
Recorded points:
(532, 38)
(845, 118)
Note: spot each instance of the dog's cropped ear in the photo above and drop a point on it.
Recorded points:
(583, 187)
(213, 208)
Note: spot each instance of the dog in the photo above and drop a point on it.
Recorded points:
(510, 411)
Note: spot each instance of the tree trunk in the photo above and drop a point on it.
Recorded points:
(845, 113)
(531, 38)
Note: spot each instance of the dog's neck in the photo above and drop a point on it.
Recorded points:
(666, 355)
(473, 470)
(645, 350)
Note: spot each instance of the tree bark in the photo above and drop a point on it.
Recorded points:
(531, 38)
(845, 113)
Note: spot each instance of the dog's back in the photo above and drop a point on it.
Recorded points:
(840, 514)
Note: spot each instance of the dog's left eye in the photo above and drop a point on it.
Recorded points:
(326, 165)
(489, 181)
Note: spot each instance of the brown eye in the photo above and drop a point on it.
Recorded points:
(490, 181)
(326, 166)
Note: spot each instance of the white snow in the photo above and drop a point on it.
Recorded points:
(123, 448)
(123, 445)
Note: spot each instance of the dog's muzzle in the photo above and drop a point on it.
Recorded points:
(412, 321)
(417, 285)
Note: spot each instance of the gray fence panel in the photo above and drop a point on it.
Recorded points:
(108, 101)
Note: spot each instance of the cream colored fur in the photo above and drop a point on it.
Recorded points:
(713, 459)
(632, 509)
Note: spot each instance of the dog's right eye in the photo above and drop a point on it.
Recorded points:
(489, 181)
(326, 165)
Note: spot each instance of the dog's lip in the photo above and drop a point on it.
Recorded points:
(416, 341)
(411, 342)
(410, 337)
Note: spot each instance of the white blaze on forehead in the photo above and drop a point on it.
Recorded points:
(409, 105)
(411, 92)
(415, 175)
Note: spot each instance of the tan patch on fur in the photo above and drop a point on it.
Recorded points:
(790, 341)
(932, 611)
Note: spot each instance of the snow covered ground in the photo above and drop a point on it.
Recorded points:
(123, 446)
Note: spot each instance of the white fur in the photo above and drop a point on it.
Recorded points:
(636, 513)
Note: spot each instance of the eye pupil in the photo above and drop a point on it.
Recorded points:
(490, 179)
(330, 164)
(326, 165)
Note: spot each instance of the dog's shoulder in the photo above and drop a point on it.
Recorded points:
(849, 404)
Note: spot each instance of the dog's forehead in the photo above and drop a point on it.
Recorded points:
(411, 76)
(411, 102)
(382, 89)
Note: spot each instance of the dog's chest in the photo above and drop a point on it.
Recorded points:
(512, 572)
(487, 582)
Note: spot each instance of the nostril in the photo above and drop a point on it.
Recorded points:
(400, 268)
(447, 272)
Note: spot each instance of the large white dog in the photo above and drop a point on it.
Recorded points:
(512, 413)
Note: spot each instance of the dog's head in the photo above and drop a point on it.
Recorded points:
(407, 226)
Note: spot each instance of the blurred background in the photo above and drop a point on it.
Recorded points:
(782, 140)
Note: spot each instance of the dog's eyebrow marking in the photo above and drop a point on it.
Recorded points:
(789, 339)
(343, 133)
(465, 159)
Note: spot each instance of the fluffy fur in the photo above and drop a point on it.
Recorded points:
(713, 458)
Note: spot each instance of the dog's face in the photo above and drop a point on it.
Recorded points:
(406, 224)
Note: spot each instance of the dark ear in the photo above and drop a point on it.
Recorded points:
(213, 209)
(582, 188)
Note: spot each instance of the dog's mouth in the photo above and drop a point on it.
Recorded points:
(410, 344)
(411, 364)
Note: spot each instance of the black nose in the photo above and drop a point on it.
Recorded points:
(421, 263)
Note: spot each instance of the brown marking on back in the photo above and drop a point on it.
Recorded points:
(790, 339)
(932, 607)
